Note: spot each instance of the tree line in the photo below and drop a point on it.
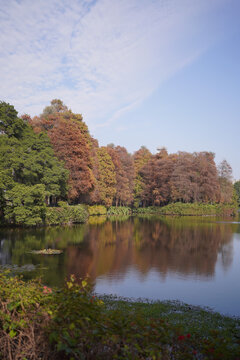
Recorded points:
(53, 157)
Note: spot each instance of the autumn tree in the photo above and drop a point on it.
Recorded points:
(106, 177)
(157, 175)
(225, 181)
(124, 169)
(56, 106)
(207, 177)
(72, 144)
(195, 178)
(140, 159)
(183, 180)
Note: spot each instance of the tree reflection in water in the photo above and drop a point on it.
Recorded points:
(185, 245)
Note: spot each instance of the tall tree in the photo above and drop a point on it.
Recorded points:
(123, 163)
(207, 177)
(27, 159)
(237, 190)
(140, 159)
(195, 178)
(184, 179)
(225, 181)
(157, 174)
(72, 144)
(106, 177)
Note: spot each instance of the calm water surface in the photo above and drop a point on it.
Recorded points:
(192, 259)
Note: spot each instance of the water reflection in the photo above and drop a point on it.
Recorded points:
(112, 249)
(183, 245)
(186, 246)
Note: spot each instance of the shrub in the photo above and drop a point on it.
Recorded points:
(97, 210)
(23, 318)
(63, 204)
(66, 215)
(119, 210)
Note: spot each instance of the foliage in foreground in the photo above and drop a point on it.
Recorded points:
(71, 323)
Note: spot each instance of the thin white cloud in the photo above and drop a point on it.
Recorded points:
(101, 58)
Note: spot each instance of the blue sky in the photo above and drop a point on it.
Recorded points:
(142, 72)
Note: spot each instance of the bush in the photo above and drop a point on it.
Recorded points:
(97, 210)
(37, 322)
(63, 204)
(23, 319)
(66, 215)
(119, 210)
(186, 209)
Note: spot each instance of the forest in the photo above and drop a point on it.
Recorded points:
(52, 159)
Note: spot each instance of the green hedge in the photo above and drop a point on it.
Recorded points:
(66, 215)
(191, 209)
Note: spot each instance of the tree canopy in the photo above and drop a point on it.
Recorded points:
(53, 156)
(27, 159)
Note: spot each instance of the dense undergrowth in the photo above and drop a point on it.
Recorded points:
(37, 322)
(73, 214)
(184, 209)
(66, 215)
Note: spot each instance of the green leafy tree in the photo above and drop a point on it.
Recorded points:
(26, 159)
(25, 205)
(10, 124)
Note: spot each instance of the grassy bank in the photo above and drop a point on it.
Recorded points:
(195, 209)
(74, 214)
(37, 322)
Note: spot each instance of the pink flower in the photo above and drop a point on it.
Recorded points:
(47, 290)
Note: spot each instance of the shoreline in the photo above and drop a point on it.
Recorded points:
(72, 323)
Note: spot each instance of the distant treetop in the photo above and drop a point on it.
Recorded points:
(56, 106)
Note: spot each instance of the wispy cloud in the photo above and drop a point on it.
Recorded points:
(100, 57)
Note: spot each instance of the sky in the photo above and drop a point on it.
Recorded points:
(141, 72)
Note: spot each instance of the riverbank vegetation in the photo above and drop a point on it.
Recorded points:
(196, 209)
(38, 322)
(51, 160)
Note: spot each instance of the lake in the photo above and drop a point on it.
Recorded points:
(191, 259)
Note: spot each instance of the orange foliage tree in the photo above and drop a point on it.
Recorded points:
(72, 143)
